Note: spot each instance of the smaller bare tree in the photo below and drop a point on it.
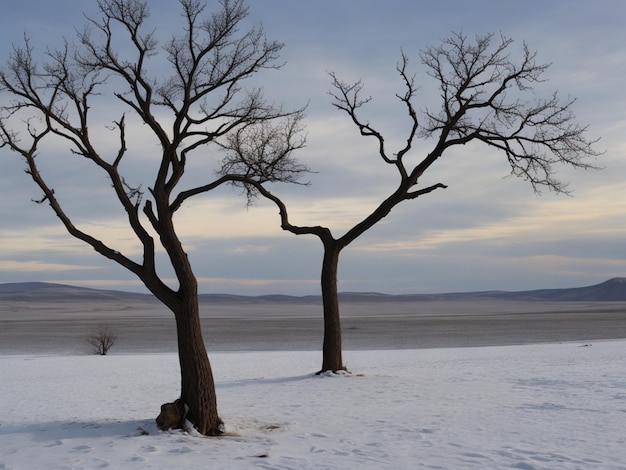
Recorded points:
(102, 341)
(486, 96)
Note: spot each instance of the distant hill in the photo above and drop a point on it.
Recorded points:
(50, 292)
(611, 290)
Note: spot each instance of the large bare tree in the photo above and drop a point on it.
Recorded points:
(487, 95)
(188, 94)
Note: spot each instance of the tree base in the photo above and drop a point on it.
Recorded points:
(341, 370)
(216, 432)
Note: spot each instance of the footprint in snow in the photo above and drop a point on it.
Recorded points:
(83, 449)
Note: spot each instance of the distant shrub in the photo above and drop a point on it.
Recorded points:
(102, 341)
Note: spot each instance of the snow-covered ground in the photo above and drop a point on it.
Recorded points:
(549, 406)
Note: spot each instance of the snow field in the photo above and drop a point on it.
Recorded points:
(549, 406)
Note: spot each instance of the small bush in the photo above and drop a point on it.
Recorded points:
(102, 341)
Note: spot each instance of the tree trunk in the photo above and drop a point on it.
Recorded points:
(331, 350)
(197, 387)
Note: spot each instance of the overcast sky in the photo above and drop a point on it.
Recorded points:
(487, 230)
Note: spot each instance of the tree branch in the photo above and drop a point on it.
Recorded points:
(477, 80)
(203, 97)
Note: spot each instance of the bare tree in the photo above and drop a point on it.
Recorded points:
(188, 94)
(102, 341)
(487, 97)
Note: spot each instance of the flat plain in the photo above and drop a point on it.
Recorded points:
(63, 327)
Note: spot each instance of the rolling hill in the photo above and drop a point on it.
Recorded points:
(612, 290)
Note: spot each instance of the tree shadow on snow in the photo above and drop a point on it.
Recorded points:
(283, 380)
(263, 380)
(57, 431)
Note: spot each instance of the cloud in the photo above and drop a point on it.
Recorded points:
(486, 230)
(36, 266)
(245, 249)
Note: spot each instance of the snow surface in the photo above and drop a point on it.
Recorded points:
(549, 406)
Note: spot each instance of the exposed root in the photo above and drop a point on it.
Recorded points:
(343, 371)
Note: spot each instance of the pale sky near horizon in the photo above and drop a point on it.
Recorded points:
(485, 231)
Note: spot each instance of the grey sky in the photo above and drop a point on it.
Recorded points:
(486, 231)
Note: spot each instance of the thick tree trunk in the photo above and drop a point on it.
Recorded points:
(197, 384)
(197, 387)
(331, 350)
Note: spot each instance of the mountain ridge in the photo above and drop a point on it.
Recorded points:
(611, 290)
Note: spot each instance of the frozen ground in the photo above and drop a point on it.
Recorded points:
(141, 327)
(541, 406)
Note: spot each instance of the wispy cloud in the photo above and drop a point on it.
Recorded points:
(36, 266)
(484, 231)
